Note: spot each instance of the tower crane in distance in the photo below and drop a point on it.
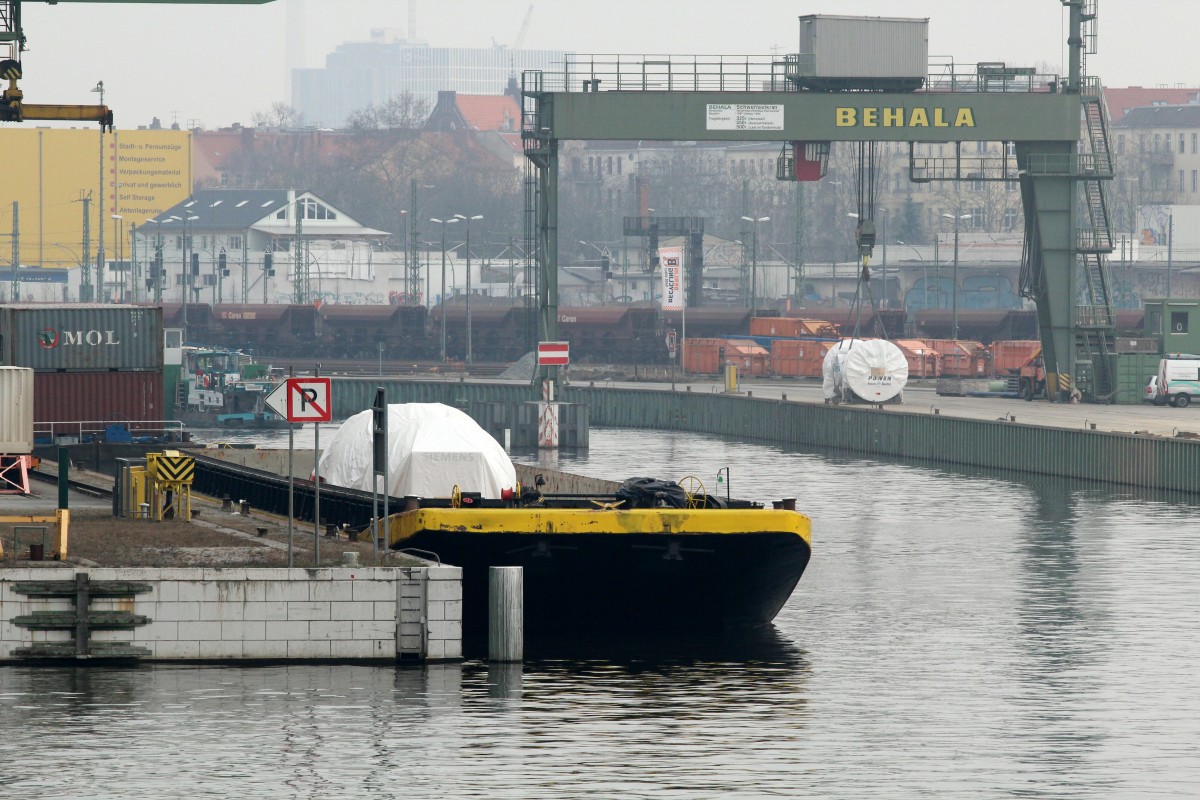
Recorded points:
(13, 107)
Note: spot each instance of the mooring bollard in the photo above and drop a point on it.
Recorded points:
(227, 503)
(245, 508)
(506, 614)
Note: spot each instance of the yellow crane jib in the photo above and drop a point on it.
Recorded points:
(13, 107)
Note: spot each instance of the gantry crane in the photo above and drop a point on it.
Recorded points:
(13, 107)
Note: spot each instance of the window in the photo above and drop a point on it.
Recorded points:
(981, 147)
(281, 214)
(1120, 144)
(1194, 142)
(1194, 183)
(1181, 180)
(1157, 142)
(311, 209)
(1011, 218)
(1179, 322)
(977, 217)
(235, 243)
(1182, 149)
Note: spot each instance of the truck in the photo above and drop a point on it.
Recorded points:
(1031, 376)
(1178, 379)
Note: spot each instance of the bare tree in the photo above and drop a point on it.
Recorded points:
(280, 116)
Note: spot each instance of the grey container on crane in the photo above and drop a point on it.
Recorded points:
(879, 53)
(79, 337)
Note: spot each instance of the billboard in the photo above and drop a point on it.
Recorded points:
(670, 260)
(48, 173)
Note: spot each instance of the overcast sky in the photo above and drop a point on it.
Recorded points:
(216, 65)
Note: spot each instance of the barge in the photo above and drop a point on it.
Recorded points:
(600, 562)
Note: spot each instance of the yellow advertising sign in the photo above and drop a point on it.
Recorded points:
(48, 173)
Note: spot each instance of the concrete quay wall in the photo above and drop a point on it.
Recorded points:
(1126, 458)
(247, 614)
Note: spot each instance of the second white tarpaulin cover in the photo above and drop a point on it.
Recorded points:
(431, 449)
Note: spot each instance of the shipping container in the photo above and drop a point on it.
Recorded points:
(704, 356)
(791, 326)
(923, 360)
(98, 396)
(956, 356)
(1009, 355)
(16, 411)
(795, 358)
(81, 337)
(840, 52)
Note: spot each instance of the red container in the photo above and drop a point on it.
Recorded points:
(956, 356)
(798, 359)
(97, 396)
(1009, 355)
(703, 356)
(923, 360)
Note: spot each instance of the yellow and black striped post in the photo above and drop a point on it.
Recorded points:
(170, 473)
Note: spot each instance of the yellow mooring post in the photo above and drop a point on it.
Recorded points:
(171, 473)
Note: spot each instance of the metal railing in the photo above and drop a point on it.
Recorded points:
(1079, 165)
(755, 73)
(91, 430)
(1093, 316)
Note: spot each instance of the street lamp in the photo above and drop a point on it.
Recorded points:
(187, 282)
(954, 288)
(442, 297)
(754, 263)
(117, 221)
(468, 221)
(99, 89)
(924, 269)
(156, 262)
(407, 290)
(1170, 248)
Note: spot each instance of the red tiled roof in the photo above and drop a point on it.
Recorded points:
(1122, 98)
(489, 112)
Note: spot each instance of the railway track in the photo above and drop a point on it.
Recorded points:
(368, 368)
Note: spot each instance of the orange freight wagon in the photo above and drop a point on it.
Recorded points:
(791, 326)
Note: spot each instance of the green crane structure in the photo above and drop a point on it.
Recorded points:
(1040, 118)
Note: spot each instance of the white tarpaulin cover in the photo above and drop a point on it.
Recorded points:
(431, 449)
(874, 369)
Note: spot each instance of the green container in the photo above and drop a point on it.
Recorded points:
(1133, 373)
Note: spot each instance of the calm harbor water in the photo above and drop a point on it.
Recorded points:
(962, 635)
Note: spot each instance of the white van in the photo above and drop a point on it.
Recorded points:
(1179, 378)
